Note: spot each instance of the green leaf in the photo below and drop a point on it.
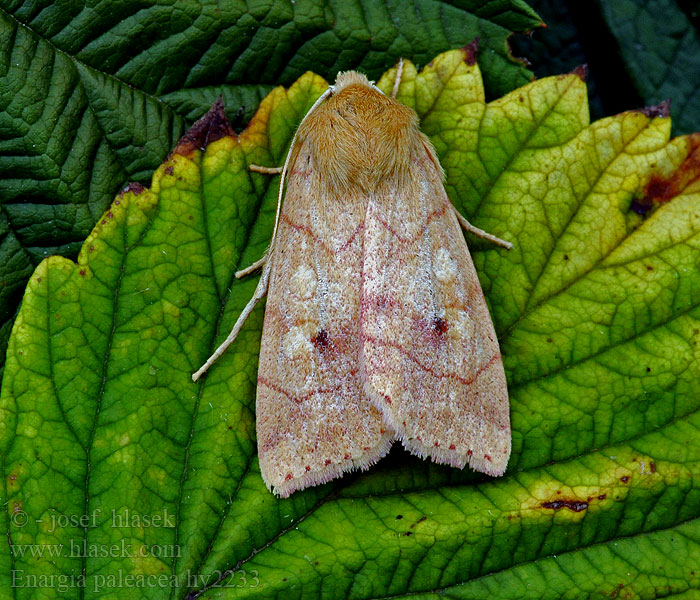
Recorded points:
(660, 47)
(596, 308)
(94, 95)
(563, 46)
(638, 52)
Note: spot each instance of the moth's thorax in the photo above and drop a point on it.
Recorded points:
(361, 138)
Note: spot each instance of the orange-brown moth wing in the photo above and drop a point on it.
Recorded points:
(313, 420)
(430, 356)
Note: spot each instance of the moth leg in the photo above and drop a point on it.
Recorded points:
(261, 290)
(250, 268)
(397, 81)
(260, 293)
(258, 263)
(266, 170)
(467, 226)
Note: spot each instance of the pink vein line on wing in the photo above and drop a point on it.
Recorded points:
(411, 240)
(299, 399)
(307, 230)
(430, 370)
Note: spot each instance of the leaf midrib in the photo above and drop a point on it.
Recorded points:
(223, 301)
(105, 366)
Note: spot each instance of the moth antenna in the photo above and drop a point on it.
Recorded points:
(265, 170)
(397, 80)
(261, 290)
(285, 167)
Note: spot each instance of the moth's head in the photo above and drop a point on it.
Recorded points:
(348, 78)
(359, 137)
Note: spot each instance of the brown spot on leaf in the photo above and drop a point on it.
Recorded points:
(661, 110)
(470, 51)
(169, 170)
(660, 190)
(134, 187)
(572, 505)
(624, 479)
(652, 466)
(211, 127)
(82, 272)
(581, 72)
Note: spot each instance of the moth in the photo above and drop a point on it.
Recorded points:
(376, 328)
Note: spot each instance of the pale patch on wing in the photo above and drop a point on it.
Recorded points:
(444, 267)
(430, 356)
(303, 282)
(314, 421)
(297, 343)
